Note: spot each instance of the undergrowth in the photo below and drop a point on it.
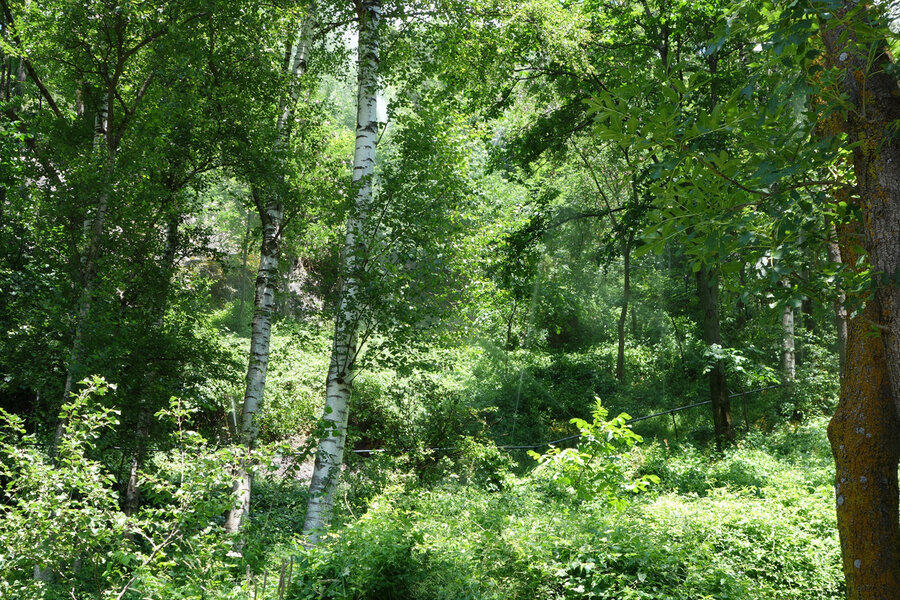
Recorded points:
(754, 523)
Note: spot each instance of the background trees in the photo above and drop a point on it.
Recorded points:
(654, 203)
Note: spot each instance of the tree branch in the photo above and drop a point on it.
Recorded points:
(28, 66)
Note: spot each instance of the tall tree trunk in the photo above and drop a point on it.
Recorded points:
(94, 226)
(872, 90)
(708, 293)
(840, 311)
(623, 314)
(871, 387)
(788, 362)
(271, 212)
(865, 440)
(341, 371)
(132, 497)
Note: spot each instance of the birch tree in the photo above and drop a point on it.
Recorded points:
(270, 203)
(348, 320)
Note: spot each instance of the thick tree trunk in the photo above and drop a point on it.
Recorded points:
(341, 372)
(872, 90)
(864, 433)
(708, 292)
(271, 212)
(865, 439)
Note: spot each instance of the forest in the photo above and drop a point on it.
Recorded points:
(449, 299)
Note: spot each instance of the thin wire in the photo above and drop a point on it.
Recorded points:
(523, 447)
(576, 436)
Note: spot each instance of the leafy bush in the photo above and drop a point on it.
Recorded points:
(756, 523)
(60, 518)
(594, 469)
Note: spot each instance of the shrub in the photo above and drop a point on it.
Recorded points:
(62, 516)
(594, 469)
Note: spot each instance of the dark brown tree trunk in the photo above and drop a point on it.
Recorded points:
(708, 293)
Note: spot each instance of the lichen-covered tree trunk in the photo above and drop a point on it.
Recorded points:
(872, 89)
(865, 439)
(341, 371)
(708, 293)
(865, 430)
(271, 212)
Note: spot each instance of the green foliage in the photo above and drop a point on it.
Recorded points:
(594, 469)
(748, 374)
(62, 515)
(481, 465)
(738, 540)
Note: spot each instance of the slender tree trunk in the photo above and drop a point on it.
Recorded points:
(132, 497)
(868, 434)
(94, 229)
(509, 326)
(634, 323)
(341, 371)
(742, 308)
(788, 362)
(840, 311)
(271, 212)
(258, 365)
(708, 292)
(623, 314)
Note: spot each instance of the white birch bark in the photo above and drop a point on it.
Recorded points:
(788, 363)
(271, 211)
(341, 371)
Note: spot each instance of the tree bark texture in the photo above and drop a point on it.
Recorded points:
(865, 440)
(874, 97)
(341, 371)
(271, 212)
(788, 362)
(864, 431)
(708, 293)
